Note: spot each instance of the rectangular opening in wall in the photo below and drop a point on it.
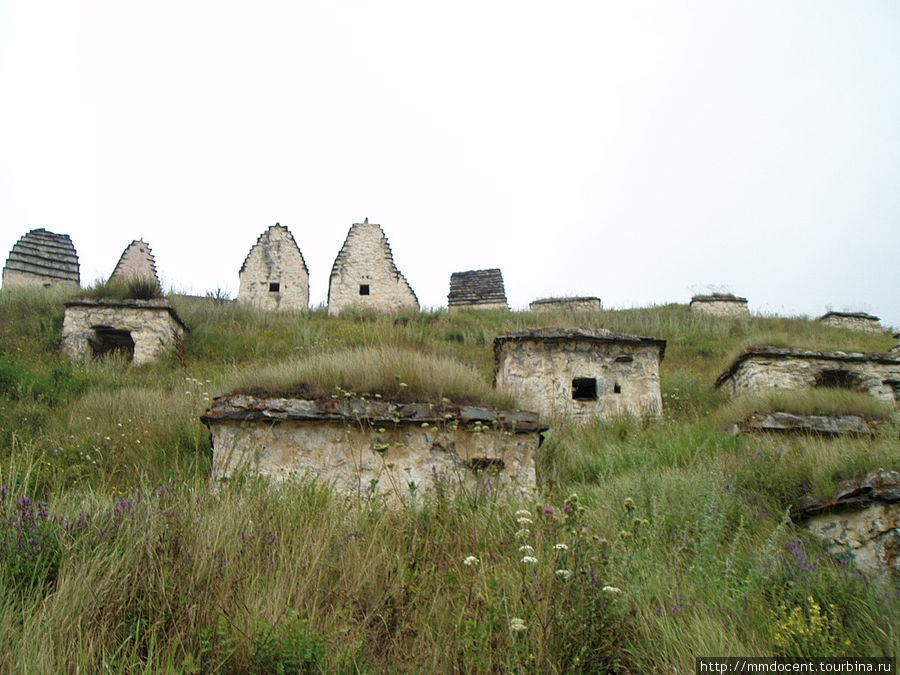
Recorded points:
(617, 388)
(584, 389)
(624, 359)
(364, 289)
(107, 340)
(274, 287)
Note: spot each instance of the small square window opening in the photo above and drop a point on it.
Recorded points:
(364, 289)
(274, 287)
(584, 389)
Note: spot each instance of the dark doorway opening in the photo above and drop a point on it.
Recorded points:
(838, 379)
(584, 389)
(108, 340)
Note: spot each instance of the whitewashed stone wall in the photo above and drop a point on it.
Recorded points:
(153, 324)
(778, 368)
(364, 275)
(136, 262)
(274, 274)
(565, 305)
(719, 306)
(384, 449)
(865, 323)
(541, 373)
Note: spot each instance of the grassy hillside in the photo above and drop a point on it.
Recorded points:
(651, 542)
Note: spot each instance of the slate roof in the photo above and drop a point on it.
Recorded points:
(476, 287)
(45, 254)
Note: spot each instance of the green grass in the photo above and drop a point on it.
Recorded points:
(142, 565)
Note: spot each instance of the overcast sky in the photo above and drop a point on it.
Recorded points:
(641, 152)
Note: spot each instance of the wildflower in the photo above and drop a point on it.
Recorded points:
(628, 504)
(568, 508)
(529, 560)
(517, 625)
(611, 589)
(561, 547)
(548, 512)
(471, 561)
(572, 498)
(522, 513)
(564, 574)
(525, 548)
(524, 532)
(88, 419)
(524, 521)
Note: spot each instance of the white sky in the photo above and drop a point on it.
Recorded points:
(636, 151)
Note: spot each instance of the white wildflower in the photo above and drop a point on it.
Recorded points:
(470, 561)
(611, 589)
(525, 548)
(517, 625)
(523, 512)
(561, 547)
(529, 559)
(524, 521)
(564, 574)
(524, 532)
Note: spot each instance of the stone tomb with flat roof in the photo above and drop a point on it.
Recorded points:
(719, 305)
(860, 321)
(583, 374)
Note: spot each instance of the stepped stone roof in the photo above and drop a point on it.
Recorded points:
(44, 254)
(567, 335)
(136, 262)
(264, 238)
(476, 287)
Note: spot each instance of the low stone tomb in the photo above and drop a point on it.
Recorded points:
(140, 330)
(761, 368)
(822, 425)
(582, 374)
(853, 320)
(580, 304)
(719, 304)
(860, 523)
(364, 447)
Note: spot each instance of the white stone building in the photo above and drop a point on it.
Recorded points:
(582, 374)
(274, 274)
(573, 304)
(136, 262)
(860, 321)
(365, 277)
(364, 447)
(140, 330)
(760, 368)
(42, 258)
(719, 305)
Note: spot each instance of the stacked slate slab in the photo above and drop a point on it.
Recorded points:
(137, 262)
(42, 258)
(477, 289)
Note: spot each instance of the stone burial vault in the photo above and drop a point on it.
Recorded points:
(719, 304)
(365, 277)
(853, 320)
(583, 374)
(140, 330)
(782, 368)
(574, 304)
(274, 274)
(365, 447)
(477, 289)
(42, 258)
(137, 262)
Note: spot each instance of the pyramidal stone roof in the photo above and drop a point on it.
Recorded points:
(273, 232)
(477, 287)
(42, 255)
(364, 274)
(137, 262)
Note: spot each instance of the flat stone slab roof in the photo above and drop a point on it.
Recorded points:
(825, 425)
(245, 407)
(724, 297)
(564, 335)
(878, 487)
(850, 315)
(153, 303)
(786, 353)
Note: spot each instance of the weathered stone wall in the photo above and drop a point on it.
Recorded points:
(865, 323)
(778, 368)
(362, 448)
(42, 258)
(364, 275)
(136, 262)
(711, 305)
(565, 305)
(477, 289)
(861, 522)
(542, 373)
(153, 324)
(274, 274)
